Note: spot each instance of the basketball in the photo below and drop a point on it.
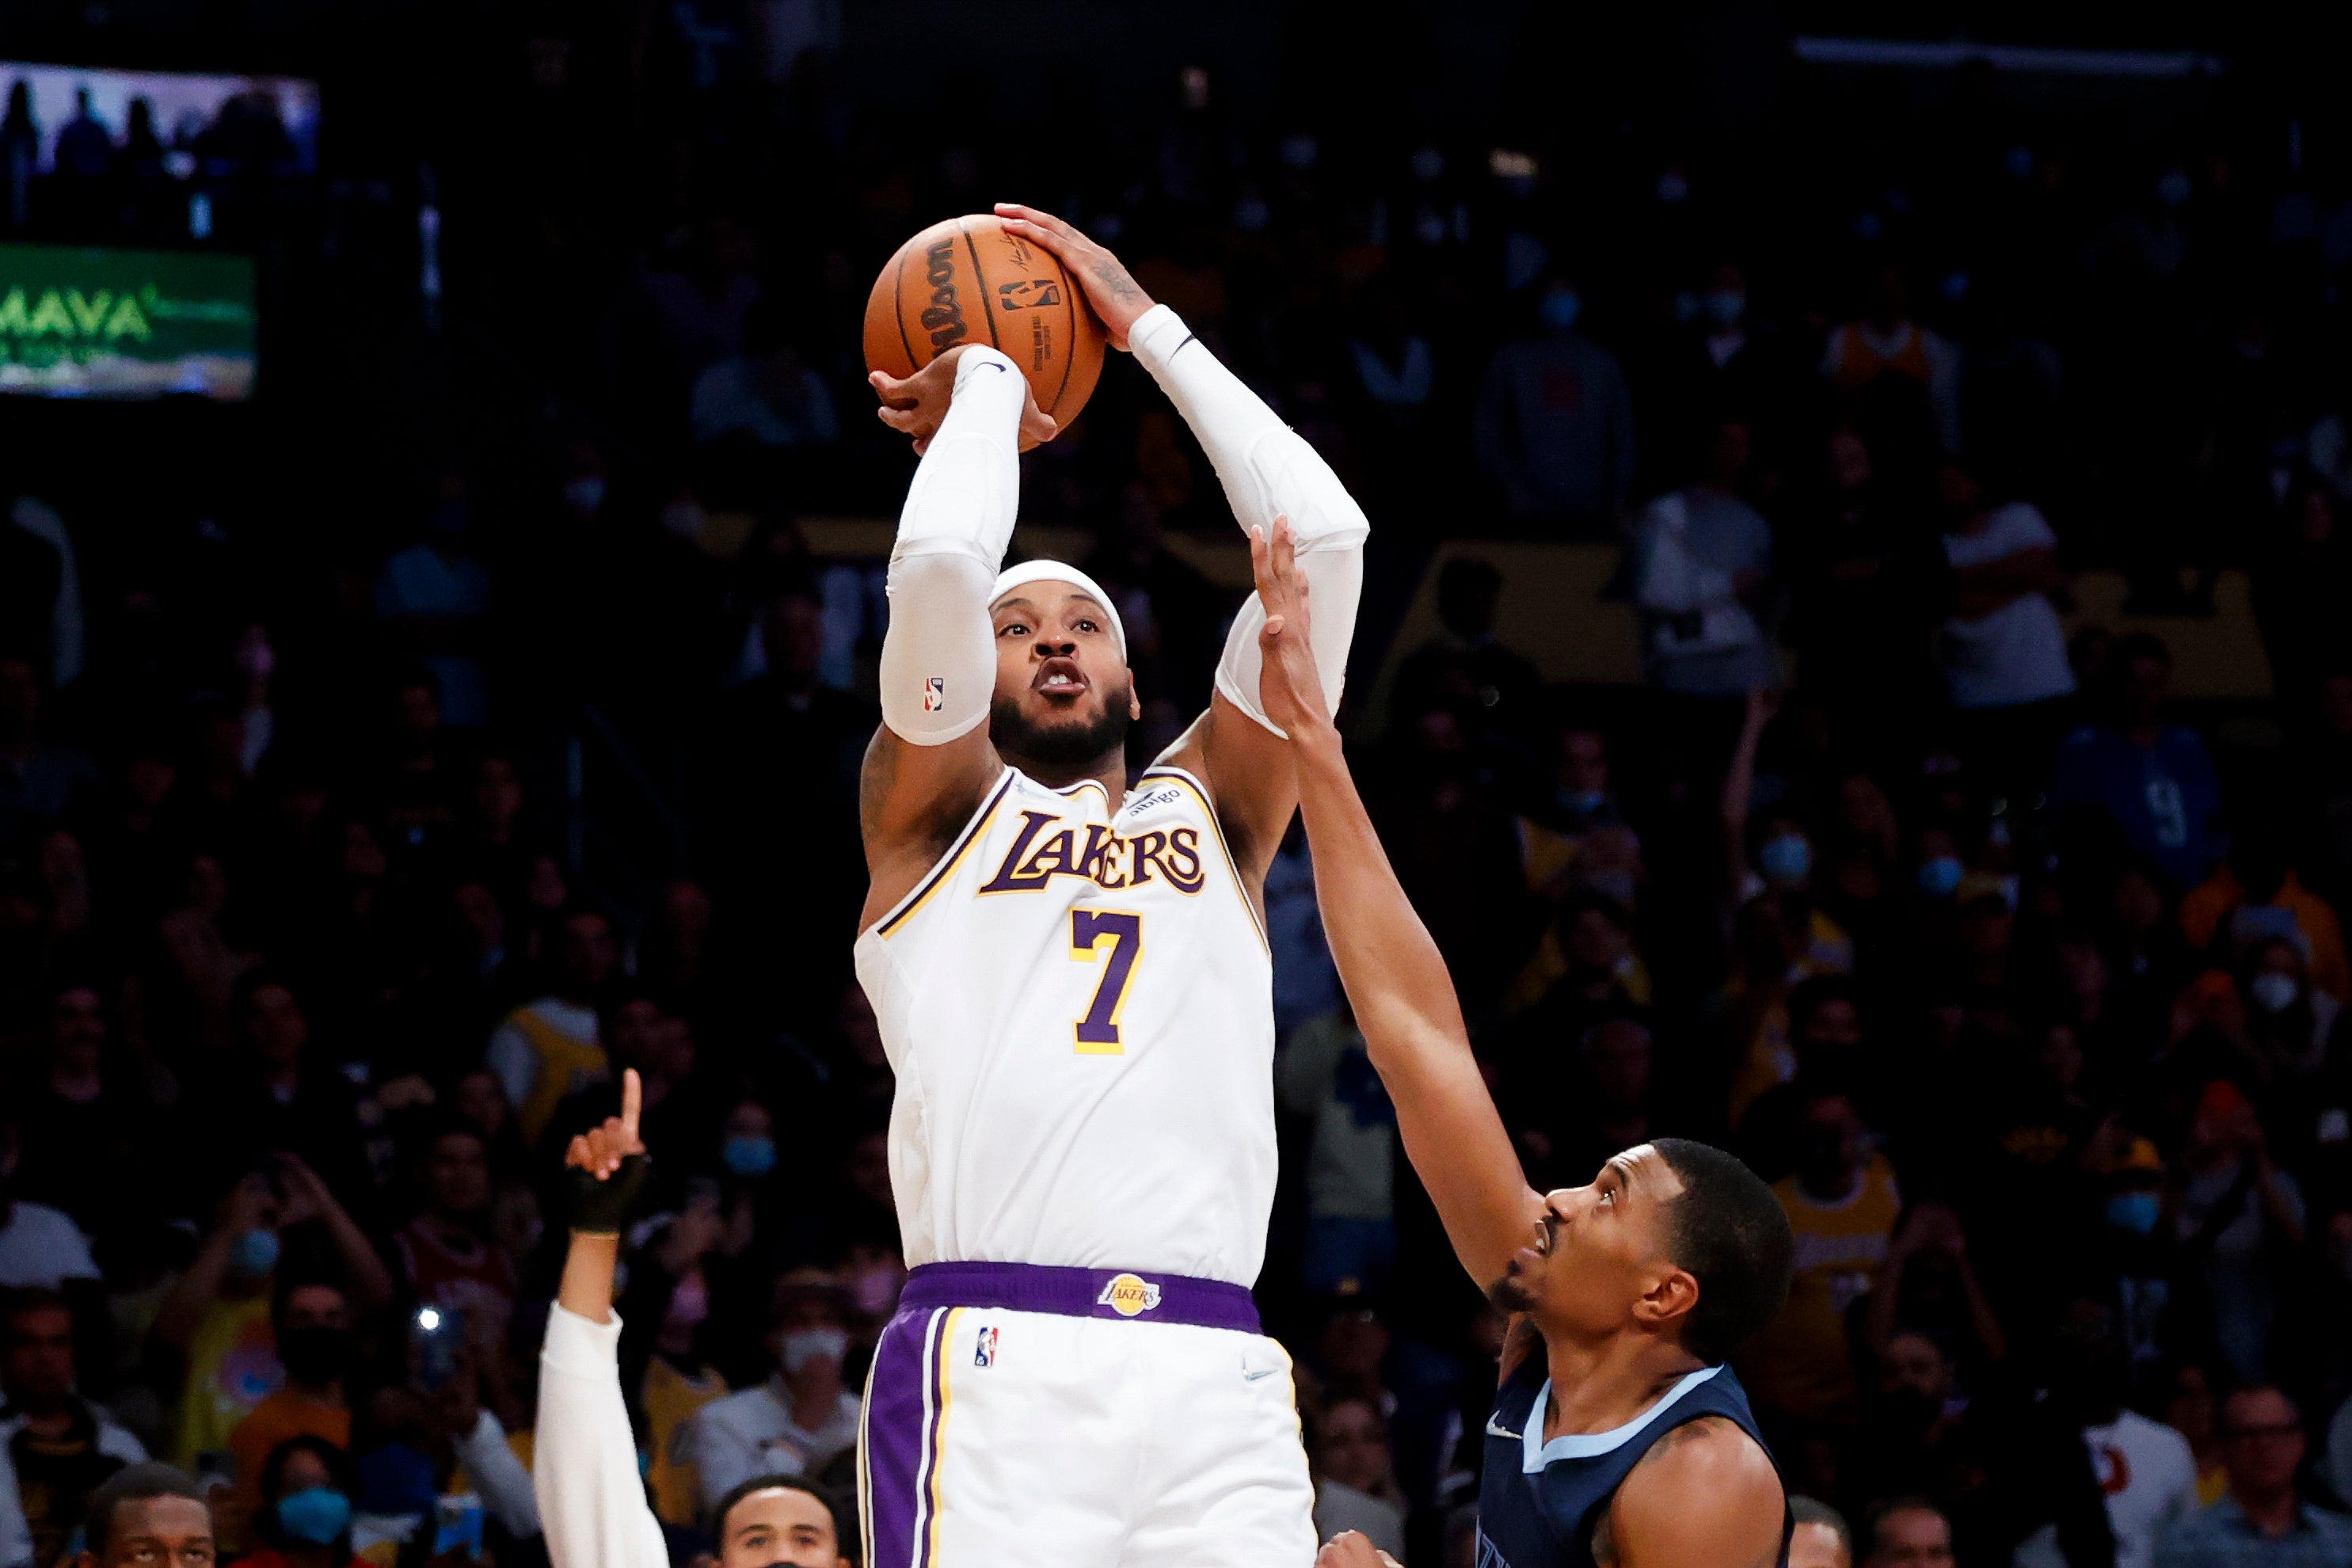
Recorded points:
(965, 280)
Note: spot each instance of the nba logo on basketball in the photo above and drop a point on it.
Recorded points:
(935, 693)
(984, 1352)
(1128, 1296)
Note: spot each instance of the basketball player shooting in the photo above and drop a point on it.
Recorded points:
(1619, 1436)
(1073, 985)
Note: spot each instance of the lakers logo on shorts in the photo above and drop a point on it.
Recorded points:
(1128, 1295)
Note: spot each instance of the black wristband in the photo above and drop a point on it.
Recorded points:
(602, 1208)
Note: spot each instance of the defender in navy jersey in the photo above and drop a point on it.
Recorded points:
(1620, 1436)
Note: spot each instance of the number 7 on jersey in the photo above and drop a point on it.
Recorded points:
(1097, 1032)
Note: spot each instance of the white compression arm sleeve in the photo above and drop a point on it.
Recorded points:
(592, 1502)
(1268, 470)
(938, 655)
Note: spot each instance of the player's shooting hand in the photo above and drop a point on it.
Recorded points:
(1353, 1549)
(914, 405)
(1110, 289)
(600, 1150)
(1290, 689)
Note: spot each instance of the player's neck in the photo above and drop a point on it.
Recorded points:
(1109, 770)
(1600, 1386)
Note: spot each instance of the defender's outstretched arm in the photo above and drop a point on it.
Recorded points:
(1396, 979)
(931, 763)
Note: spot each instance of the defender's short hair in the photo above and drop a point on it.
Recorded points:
(844, 1525)
(1813, 1511)
(135, 1483)
(1732, 1235)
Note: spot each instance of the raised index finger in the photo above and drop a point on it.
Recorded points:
(632, 1101)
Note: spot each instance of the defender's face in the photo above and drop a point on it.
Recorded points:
(1057, 659)
(1598, 1250)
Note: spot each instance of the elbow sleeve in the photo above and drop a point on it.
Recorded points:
(938, 658)
(1267, 470)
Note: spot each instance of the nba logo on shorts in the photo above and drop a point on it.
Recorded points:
(935, 693)
(1128, 1296)
(984, 1352)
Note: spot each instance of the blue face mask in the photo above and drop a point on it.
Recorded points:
(1787, 860)
(1939, 876)
(1560, 309)
(2135, 1213)
(319, 1515)
(748, 1155)
(256, 1252)
(1724, 307)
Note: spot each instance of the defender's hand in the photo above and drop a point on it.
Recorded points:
(1110, 289)
(1290, 688)
(916, 404)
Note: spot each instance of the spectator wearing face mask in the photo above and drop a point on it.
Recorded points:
(304, 1515)
(217, 1323)
(1770, 852)
(2254, 894)
(1553, 429)
(803, 1418)
(2291, 1020)
(312, 1323)
(2128, 1262)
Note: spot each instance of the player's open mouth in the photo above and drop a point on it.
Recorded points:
(1528, 1260)
(1060, 678)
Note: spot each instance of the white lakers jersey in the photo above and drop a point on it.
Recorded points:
(1079, 1005)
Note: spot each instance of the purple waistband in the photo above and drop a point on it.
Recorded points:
(1081, 1293)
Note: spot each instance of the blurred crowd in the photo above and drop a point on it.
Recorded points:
(2024, 982)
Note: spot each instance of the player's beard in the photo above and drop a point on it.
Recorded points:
(1072, 744)
(1510, 1294)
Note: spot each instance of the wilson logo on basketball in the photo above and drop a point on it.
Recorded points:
(1028, 294)
(1128, 1295)
(943, 318)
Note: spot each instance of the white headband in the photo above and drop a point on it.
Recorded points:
(1029, 571)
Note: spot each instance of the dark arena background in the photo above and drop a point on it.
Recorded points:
(1855, 667)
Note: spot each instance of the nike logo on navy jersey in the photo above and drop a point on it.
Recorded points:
(1494, 1431)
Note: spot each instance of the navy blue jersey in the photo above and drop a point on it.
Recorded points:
(1539, 1502)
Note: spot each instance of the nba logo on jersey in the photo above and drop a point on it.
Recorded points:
(984, 1352)
(935, 693)
(1128, 1296)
